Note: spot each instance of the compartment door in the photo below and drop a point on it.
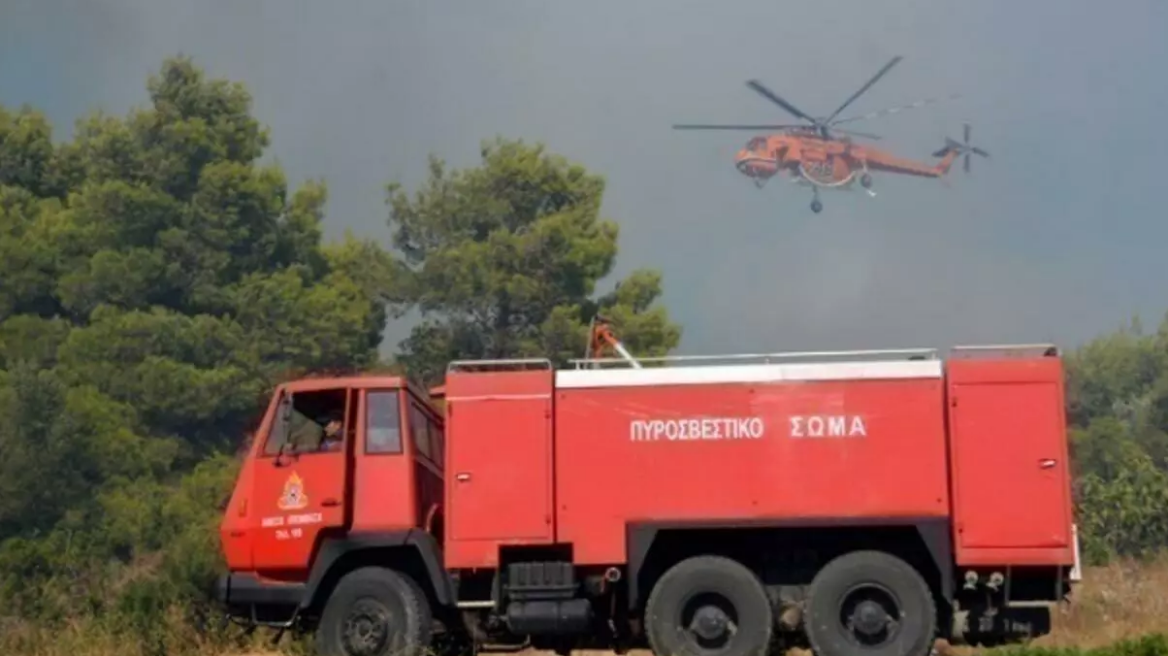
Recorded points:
(499, 469)
(1010, 465)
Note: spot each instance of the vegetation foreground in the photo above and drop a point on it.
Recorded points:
(156, 281)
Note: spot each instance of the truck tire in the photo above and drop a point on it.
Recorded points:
(887, 600)
(706, 605)
(375, 612)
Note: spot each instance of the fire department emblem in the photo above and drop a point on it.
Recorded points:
(293, 497)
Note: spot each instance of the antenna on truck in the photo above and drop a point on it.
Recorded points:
(600, 335)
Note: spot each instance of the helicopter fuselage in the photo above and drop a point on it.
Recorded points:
(826, 163)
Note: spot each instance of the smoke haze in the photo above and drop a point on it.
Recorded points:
(1057, 237)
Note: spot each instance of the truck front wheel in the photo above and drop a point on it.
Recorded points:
(706, 605)
(374, 612)
(869, 601)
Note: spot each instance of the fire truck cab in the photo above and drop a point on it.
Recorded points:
(303, 501)
(693, 505)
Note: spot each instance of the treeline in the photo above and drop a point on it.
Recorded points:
(157, 279)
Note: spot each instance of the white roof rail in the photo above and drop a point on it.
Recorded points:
(509, 364)
(766, 358)
(1005, 350)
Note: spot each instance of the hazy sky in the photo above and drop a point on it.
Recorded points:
(1058, 237)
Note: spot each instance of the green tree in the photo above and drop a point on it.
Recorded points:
(1111, 375)
(1125, 514)
(503, 260)
(155, 282)
(1117, 408)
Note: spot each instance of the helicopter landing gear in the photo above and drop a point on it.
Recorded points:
(866, 183)
(816, 206)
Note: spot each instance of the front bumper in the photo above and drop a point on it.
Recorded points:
(244, 589)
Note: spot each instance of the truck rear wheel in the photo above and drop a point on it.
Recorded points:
(870, 602)
(375, 612)
(706, 605)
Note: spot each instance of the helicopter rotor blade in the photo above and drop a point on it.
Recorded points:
(854, 133)
(720, 126)
(894, 110)
(770, 95)
(893, 62)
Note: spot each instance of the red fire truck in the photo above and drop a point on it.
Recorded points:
(696, 505)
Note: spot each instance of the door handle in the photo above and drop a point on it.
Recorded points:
(1046, 463)
(462, 478)
(330, 502)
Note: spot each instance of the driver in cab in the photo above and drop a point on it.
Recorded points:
(334, 436)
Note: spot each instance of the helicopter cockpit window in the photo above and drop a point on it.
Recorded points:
(755, 143)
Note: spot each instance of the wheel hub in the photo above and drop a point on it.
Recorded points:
(366, 629)
(870, 618)
(871, 614)
(710, 622)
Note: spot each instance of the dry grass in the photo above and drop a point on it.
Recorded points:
(1113, 603)
(88, 639)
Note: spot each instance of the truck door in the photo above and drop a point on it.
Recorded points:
(499, 480)
(1010, 464)
(300, 477)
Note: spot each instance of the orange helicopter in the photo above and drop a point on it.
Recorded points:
(813, 156)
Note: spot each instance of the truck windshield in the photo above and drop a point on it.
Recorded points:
(383, 422)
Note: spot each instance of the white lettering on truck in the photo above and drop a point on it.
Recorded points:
(828, 426)
(704, 428)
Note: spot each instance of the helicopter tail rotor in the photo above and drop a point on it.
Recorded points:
(961, 149)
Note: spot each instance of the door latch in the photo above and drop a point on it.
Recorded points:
(1046, 463)
(463, 477)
